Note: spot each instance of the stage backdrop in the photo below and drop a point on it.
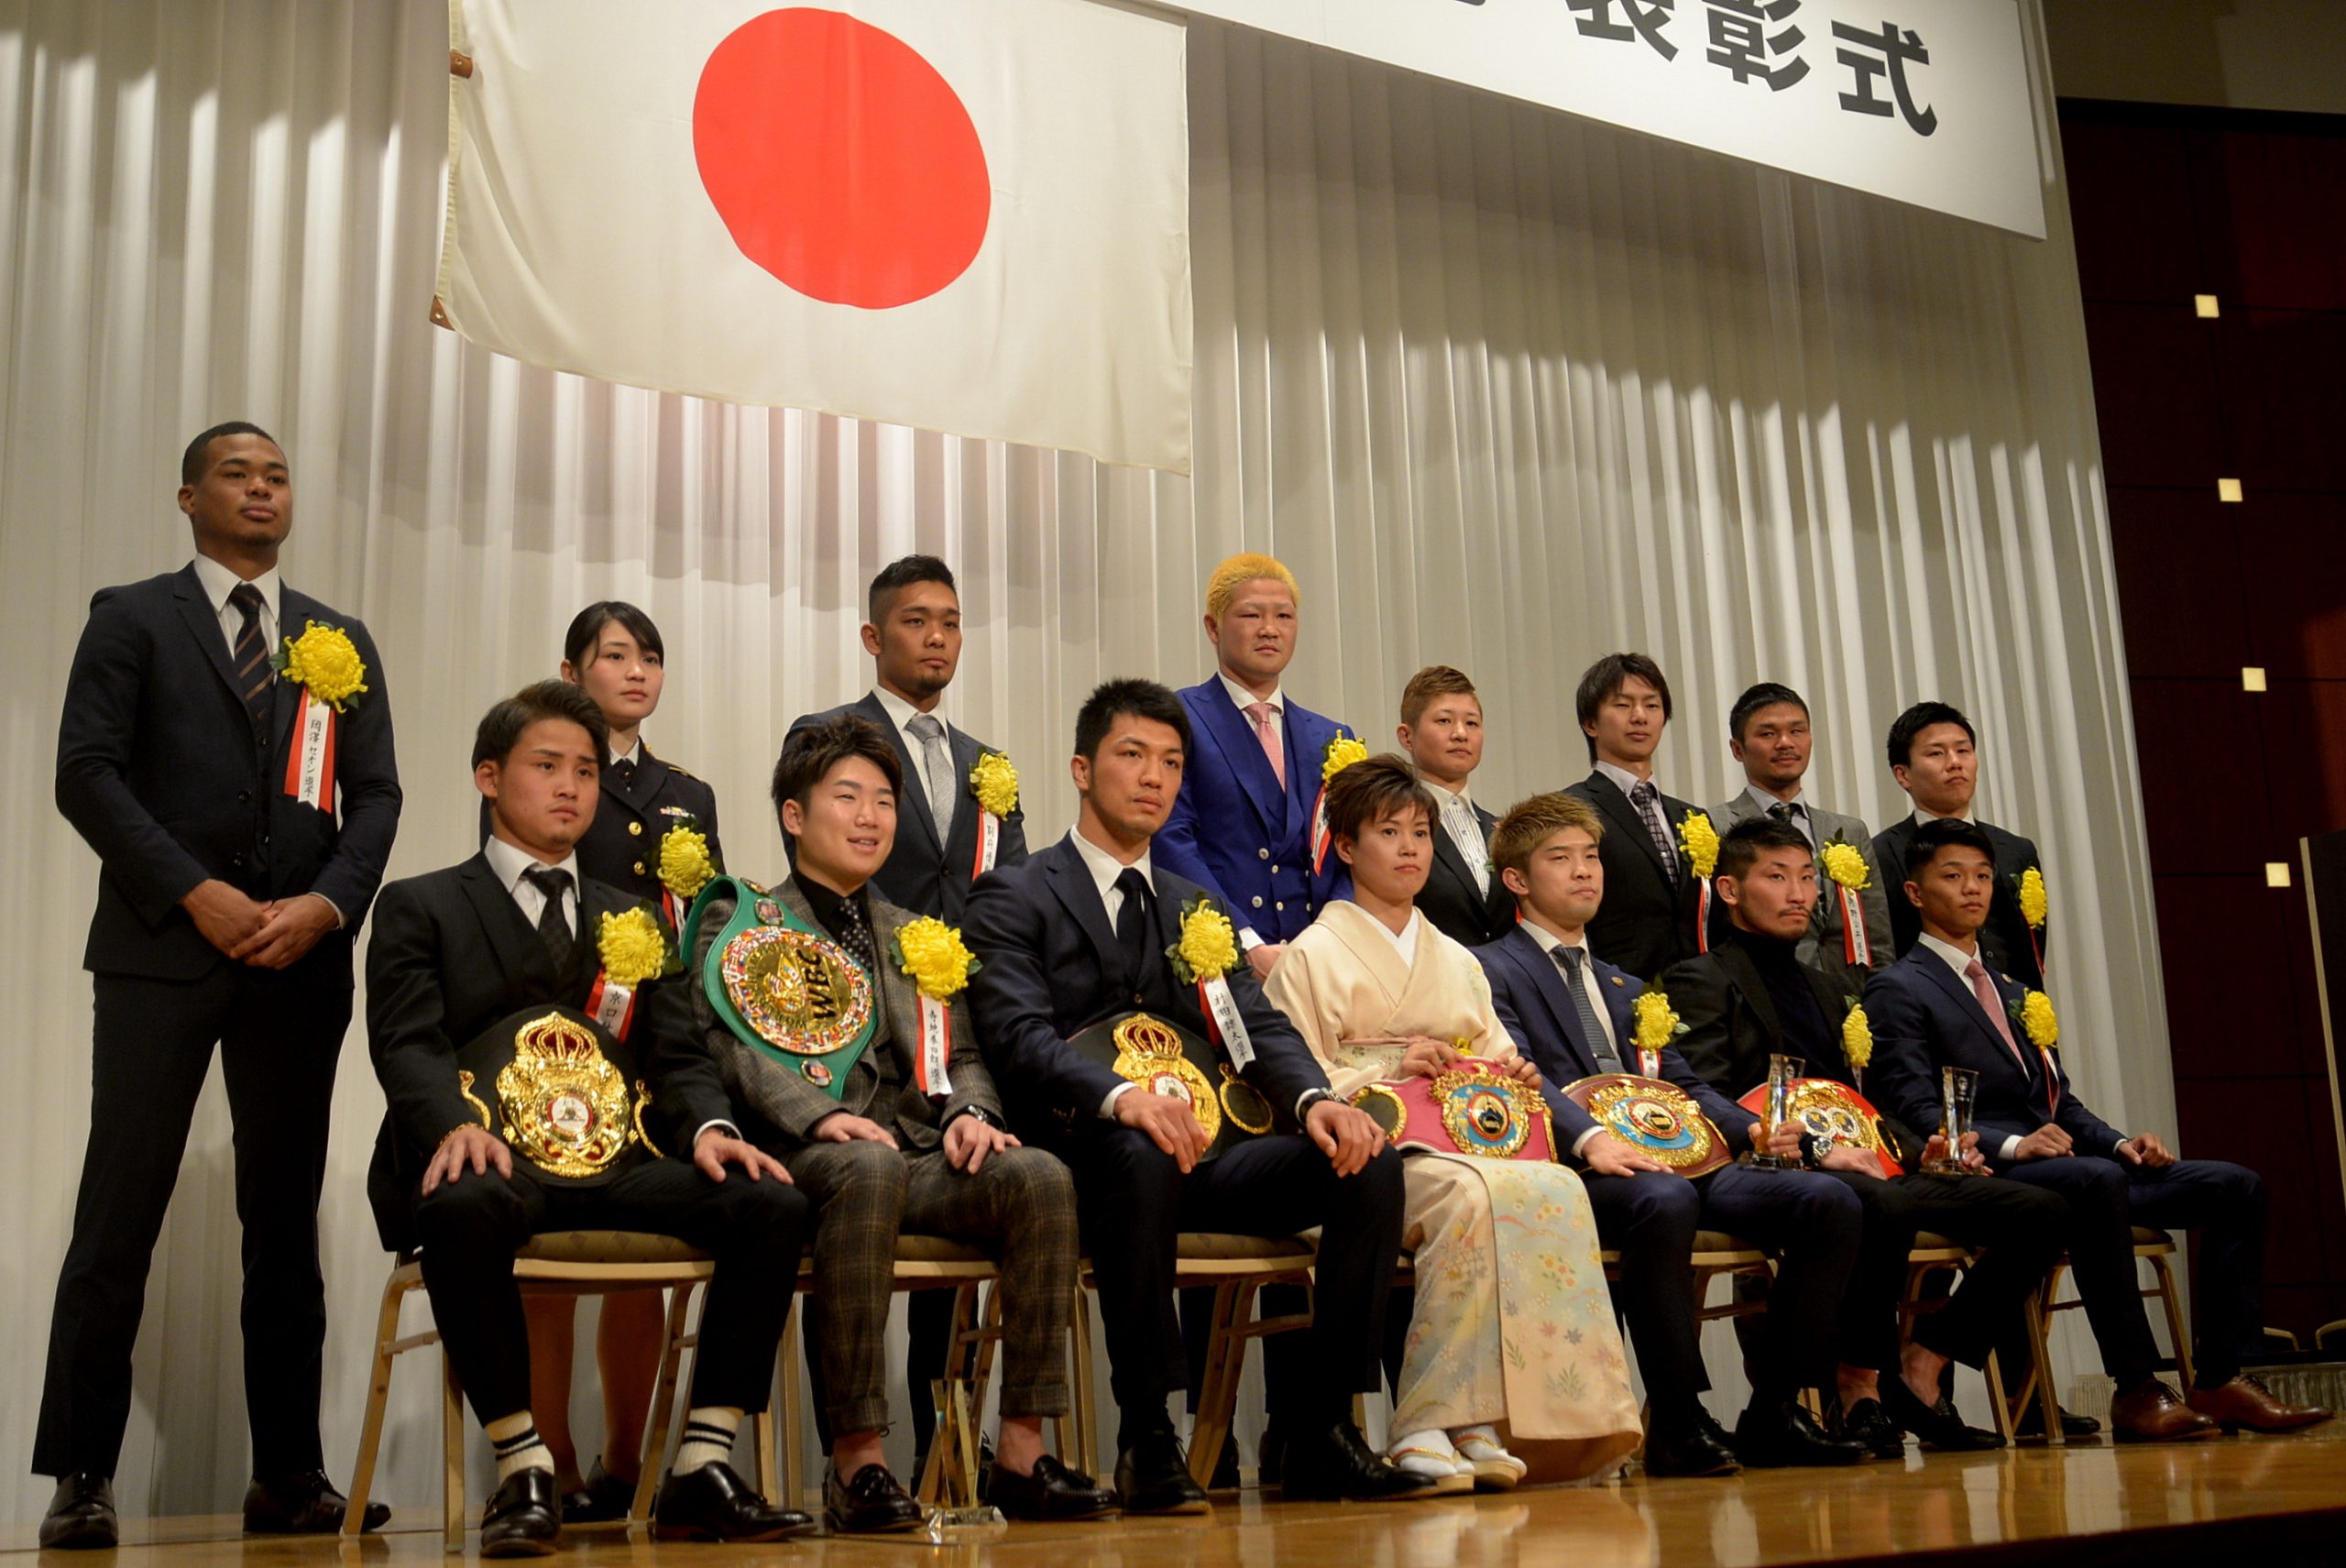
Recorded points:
(1505, 390)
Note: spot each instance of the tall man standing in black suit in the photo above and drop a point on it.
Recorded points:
(1934, 757)
(949, 834)
(1084, 932)
(241, 824)
(1442, 730)
(1647, 922)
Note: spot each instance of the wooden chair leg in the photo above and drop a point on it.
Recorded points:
(1077, 1443)
(2161, 1265)
(789, 1455)
(379, 1398)
(452, 1456)
(1233, 1305)
(2048, 1405)
(658, 1428)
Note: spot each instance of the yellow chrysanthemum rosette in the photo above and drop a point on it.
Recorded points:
(1342, 752)
(2034, 903)
(1857, 1038)
(685, 866)
(1846, 866)
(933, 954)
(1699, 842)
(995, 784)
(1657, 1024)
(2036, 1016)
(633, 947)
(324, 659)
(1209, 945)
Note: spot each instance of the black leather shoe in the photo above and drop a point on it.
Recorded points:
(80, 1514)
(302, 1504)
(1778, 1432)
(1226, 1466)
(1270, 1456)
(523, 1518)
(2032, 1424)
(1936, 1424)
(1694, 1448)
(713, 1503)
(1053, 1493)
(871, 1502)
(604, 1499)
(1152, 1477)
(1335, 1463)
(1866, 1424)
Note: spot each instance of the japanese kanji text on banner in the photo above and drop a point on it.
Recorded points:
(879, 208)
(1924, 100)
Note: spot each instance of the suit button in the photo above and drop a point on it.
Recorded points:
(639, 868)
(1264, 855)
(244, 797)
(636, 829)
(1138, 1000)
(1275, 871)
(1258, 903)
(1280, 908)
(238, 860)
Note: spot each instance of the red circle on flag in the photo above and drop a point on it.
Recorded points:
(840, 160)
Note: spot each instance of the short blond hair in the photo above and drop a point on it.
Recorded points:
(1531, 823)
(1237, 572)
(1433, 680)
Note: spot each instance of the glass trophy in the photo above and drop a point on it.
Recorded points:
(1958, 1087)
(1782, 1073)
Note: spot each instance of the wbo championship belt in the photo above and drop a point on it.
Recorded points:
(1164, 1058)
(784, 987)
(564, 1092)
(1832, 1113)
(1657, 1119)
(1473, 1109)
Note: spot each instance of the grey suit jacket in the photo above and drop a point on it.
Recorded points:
(1822, 948)
(882, 1086)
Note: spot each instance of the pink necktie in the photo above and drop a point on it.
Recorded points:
(1260, 712)
(1976, 972)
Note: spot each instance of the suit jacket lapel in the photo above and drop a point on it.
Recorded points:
(1070, 884)
(915, 781)
(195, 609)
(1616, 805)
(1969, 1005)
(520, 957)
(1232, 733)
(1743, 976)
(1549, 981)
(961, 850)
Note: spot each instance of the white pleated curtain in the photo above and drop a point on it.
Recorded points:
(1506, 390)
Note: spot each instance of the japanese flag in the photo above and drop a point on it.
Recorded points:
(968, 216)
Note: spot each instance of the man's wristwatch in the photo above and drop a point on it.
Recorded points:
(1313, 1097)
(1809, 1155)
(981, 1113)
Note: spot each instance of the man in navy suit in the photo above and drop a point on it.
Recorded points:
(227, 904)
(1942, 1005)
(1442, 730)
(1934, 757)
(1082, 933)
(945, 839)
(1572, 1015)
(1647, 923)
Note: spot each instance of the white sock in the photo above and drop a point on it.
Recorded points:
(515, 1438)
(708, 1437)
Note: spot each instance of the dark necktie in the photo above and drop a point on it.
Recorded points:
(1648, 800)
(1600, 1048)
(254, 676)
(623, 775)
(1133, 923)
(552, 930)
(855, 935)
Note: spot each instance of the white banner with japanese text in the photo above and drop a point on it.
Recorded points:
(1923, 101)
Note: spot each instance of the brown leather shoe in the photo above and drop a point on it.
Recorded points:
(2151, 1414)
(2245, 1402)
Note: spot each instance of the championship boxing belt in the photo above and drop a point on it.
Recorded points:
(1832, 1113)
(1654, 1118)
(565, 1095)
(784, 988)
(1164, 1058)
(1473, 1109)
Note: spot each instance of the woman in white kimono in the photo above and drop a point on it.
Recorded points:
(1514, 1326)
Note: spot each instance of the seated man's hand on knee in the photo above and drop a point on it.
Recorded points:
(716, 1148)
(467, 1149)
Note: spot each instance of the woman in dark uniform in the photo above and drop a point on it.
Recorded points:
(614, 651)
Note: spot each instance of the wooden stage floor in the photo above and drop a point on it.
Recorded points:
(2262, 1500)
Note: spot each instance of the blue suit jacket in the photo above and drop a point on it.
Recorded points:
(1049, 966)
(1528, 990)
(1234, 833)
(1925, 1018)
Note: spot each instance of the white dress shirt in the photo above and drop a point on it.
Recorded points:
(219, 582)
(1922, 816)
(1248, 937)
(1456, 808)
(901, 714)
(512, 865)
(1549, 942)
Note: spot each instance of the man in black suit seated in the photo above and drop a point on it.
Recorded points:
(1649, 917)
(1751, 997)
(1083, 932)
(1573, 1015)
(1944, 1005)
(460, 950)
(1442, 730)
(227, 905)
(1934, 757)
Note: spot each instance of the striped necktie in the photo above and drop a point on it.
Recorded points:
(255, 677)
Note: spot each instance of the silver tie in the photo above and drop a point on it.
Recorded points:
(936, 769)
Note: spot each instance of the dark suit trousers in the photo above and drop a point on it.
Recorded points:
(2223, 1202)
(2019, 1227)
(469, 1230)
(280, 1034)
(865, 1193)
(1134, 1203)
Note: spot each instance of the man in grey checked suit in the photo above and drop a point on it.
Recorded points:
(1769, 731)
(896, 1140)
